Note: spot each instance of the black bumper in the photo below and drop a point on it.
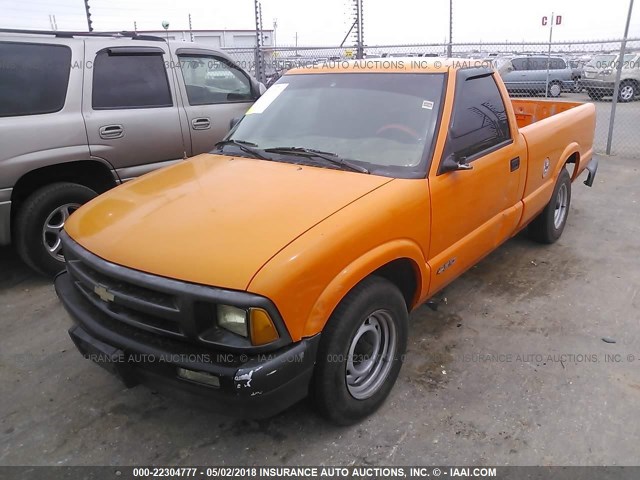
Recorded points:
(592, 168)
(252, 386)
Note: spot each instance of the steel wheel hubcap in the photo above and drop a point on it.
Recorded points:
(554, 90)
(52, 228)
(561, 206)
(371, 354)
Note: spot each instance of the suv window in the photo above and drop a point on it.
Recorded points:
(130, 81)
(519, 63)
(33, 78)
(479, 117)
(557, 64)
(212, 80)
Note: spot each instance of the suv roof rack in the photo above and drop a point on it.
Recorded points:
(67, 34)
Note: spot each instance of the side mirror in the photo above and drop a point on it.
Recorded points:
(452, 163)
(262, 88)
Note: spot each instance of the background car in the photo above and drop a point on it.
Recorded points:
(600, 76)
(530, 75)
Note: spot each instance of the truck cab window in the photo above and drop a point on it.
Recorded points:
(479, 121)
(130, 81)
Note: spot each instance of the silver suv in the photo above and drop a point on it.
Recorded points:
(537, 74)
(600, 76)
(81, 113)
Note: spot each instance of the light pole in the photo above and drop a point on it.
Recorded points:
(616, 87)
(450, 46)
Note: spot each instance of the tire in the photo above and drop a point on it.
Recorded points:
(374, 309)
(594, 94)
(50, 205)
(627, 91)
(548, 226)
(555, 89)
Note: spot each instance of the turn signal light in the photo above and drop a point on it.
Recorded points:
(263, 330)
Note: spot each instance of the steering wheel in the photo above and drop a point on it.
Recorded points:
(399, 128)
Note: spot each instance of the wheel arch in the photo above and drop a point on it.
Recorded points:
(570, 155)
(90, 173)
(401, 262)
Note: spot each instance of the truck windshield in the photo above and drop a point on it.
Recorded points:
(383, 122)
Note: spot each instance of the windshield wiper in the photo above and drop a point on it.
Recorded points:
(247, 147)
(330, 157)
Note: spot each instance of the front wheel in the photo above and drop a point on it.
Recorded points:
(361, 351)
(547, 227)
(40, 222)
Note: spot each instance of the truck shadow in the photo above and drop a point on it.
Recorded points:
(14, 272)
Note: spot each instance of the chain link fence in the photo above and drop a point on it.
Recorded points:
(584, 71)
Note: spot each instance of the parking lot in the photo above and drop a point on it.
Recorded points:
(511, 369)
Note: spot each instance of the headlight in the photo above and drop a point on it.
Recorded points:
(255, 324)
(607, 71)
(233, 319)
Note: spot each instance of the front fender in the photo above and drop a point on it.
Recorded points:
(359, 269)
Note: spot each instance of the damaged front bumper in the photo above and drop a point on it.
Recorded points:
(250, 385)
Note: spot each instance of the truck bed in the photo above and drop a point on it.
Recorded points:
(531, 111)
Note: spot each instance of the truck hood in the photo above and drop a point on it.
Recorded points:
(213, 220)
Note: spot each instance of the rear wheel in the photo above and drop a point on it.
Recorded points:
(360, 352)
(548, 226)
(627, 91)
(555, 89)
(40, 222)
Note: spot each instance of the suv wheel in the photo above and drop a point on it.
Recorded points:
(40, 222)
(361, 351)
(627, 91)
(555, 89)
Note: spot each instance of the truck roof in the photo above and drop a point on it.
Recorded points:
(391, 65)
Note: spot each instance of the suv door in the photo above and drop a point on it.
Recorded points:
(475, 210)
(130, 107)
(215, 91)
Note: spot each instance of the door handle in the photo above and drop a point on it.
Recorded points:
(202, 123)
(515, 164)
(108, 132)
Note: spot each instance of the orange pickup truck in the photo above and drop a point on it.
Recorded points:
(286, 262)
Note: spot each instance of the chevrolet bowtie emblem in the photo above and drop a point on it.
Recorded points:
(104, 294)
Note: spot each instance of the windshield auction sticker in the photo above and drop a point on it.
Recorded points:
(267, 99)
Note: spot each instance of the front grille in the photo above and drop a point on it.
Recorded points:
(137, 306)
(168, 307)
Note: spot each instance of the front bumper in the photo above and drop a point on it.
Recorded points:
(254, 386)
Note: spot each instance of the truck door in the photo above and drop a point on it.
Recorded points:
(130, 107)
(476, 209)
(215, 91)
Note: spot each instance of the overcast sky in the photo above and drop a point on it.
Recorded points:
(325, 22)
